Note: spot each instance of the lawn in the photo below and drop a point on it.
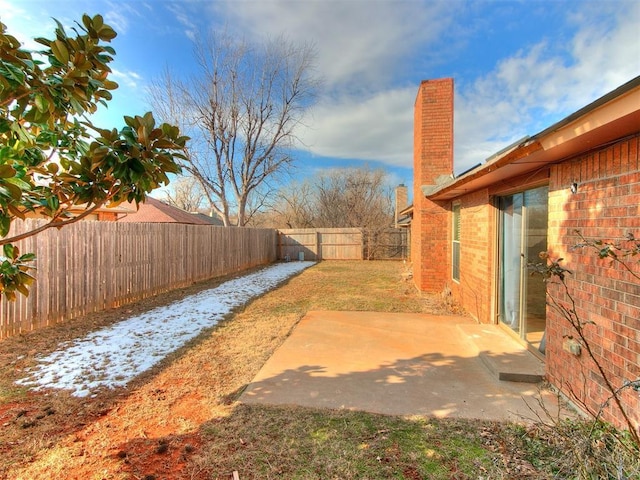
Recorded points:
(182, 420)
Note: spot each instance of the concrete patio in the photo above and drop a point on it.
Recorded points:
(403, 364)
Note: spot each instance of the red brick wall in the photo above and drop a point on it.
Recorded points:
(473, 291)
(433, 157)
(479, 230)
(607, 207)
(107, 216)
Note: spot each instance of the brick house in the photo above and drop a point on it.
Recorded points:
(101, 214)
(472, 235)
(156, 211)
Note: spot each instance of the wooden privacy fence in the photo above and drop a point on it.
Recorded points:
(92, 266)
(387, 244)
(342, 244)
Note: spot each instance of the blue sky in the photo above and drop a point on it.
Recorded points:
(518, 66)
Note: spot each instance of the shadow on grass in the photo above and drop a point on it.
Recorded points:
(275, 442)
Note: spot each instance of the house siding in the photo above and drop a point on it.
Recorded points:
(479, 245)
(107, 216)
(606, 206)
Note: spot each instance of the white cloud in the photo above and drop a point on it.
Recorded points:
(363, 48)
(530, 90)
(373, 54)
(126, 78)
(183, 16)
(360, 44)
(119, 17)
(378, 128)
(363, 51)
(21, 24)
(11, 11)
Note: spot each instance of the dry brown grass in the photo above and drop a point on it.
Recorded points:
(54, 432)
(182, 421)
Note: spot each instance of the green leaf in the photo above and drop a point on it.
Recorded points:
(99, 153)
(41, 103)
(97, 22)
(11, 191)
(7, 250)
(11, 72)
(109, 85)
(16, 212)
(7, 171)
(43, 41)
(164, 143)
(59, 50)
(23, 135)
(149, 121)
(86, 20)
(60, 33)
(106, 33)
(27, 257)
(22, 289)
(104, 94)
(53, 203)
(18, 182)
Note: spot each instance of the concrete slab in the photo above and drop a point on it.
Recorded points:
(504, 357)
(390, 363)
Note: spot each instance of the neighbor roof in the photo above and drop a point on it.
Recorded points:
(156, 211)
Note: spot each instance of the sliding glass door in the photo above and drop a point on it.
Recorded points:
(523, 235)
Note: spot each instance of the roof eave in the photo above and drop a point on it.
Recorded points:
(613, 116)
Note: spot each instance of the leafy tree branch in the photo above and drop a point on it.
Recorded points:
(53, 159)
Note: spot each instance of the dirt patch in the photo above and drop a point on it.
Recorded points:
(153, 428)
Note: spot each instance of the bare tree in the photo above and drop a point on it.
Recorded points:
(242, 111)
(353, 198)
(292, 207)
(186, 194)
(347, 197)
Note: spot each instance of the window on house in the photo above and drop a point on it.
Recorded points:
(455, 261)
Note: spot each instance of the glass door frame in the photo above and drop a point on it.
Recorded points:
(522, 331)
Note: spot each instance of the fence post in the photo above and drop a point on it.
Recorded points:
(318, 246)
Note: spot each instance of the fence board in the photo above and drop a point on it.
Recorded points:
(343, 244)
(320, 244)
(92, 266)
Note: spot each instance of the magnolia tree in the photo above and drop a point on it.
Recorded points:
(52, 157)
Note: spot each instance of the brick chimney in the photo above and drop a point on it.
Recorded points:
(402, 199)
(432, 159)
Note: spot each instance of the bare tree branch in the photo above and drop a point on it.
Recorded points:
(242, 110)
(337, 198)
(186, 194)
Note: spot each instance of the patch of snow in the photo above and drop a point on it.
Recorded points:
(112, 356)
